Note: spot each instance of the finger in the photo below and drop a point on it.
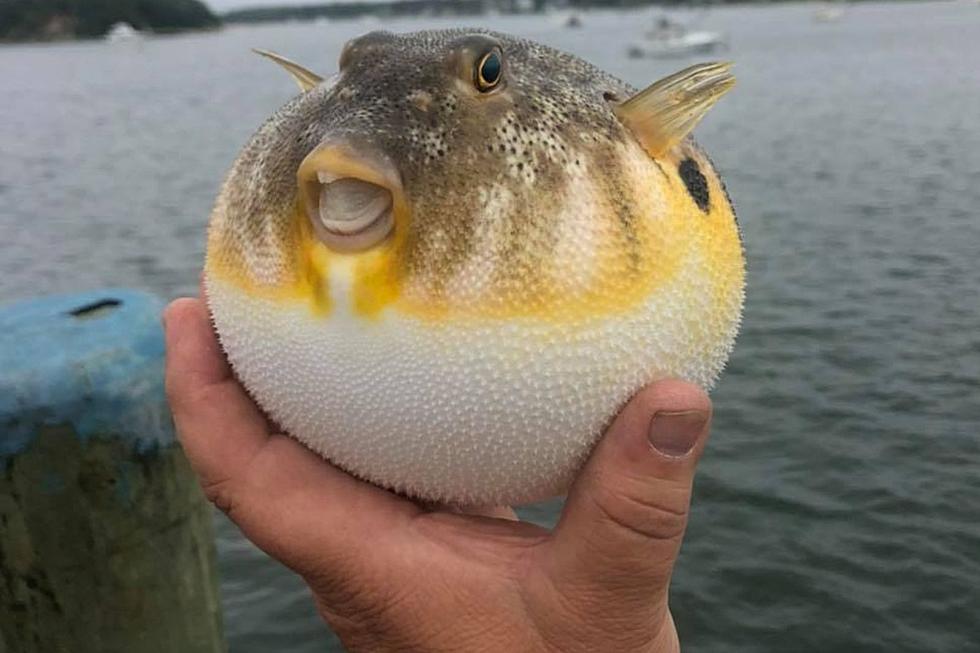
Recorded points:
(286, 499)
(621, 529)
(318, 520)
(219, 426)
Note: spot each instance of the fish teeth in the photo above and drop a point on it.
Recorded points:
(350, 205)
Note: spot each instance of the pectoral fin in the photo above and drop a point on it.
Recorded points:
(305, 78)
(661, 115)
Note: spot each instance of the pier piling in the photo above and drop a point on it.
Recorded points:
(105, 537)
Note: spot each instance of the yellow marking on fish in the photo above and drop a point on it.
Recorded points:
(679, 230)
(716, 236)
(722, 246)
(376, 283)
(304, 275)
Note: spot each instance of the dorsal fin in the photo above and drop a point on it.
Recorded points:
(662, 114)
(305, 78)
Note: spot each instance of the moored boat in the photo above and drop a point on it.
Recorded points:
(122, 31)
(672, 39)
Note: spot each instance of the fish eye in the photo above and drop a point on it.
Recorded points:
(488, 72)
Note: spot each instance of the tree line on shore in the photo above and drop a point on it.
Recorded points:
(66, 19)
(358, 8)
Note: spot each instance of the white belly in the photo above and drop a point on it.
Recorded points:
(477, 413)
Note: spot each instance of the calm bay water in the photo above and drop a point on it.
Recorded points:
(838, 506)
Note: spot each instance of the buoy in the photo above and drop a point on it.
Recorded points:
(106, 542)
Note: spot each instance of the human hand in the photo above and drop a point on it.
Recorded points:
(390, 575)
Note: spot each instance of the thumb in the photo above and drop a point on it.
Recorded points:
(622, 526)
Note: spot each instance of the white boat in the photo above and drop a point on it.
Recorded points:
(122, 32)
(828, 14)
(672, 39)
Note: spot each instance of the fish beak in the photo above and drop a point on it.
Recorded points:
(350, 195)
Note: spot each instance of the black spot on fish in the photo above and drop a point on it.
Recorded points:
(696, 183)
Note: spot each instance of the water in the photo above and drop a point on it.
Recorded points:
(838, 506)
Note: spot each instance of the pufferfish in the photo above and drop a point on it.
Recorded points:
(446, 267)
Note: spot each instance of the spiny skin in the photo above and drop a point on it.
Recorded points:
(544, 268)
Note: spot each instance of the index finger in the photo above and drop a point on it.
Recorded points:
(219, 426)
(285, 498)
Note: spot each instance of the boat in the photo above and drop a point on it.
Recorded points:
(121, 32)
(672, 39)
(828, 14)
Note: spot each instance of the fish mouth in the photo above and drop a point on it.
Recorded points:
(350, 196)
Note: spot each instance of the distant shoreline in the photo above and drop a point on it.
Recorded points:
(353, 9)
(41, 40)
(53, 20)
(40, 21)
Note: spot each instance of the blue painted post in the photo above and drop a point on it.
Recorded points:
(105, 538)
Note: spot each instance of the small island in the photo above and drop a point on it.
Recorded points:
(48, 20)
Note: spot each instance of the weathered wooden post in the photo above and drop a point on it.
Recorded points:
(105, 538)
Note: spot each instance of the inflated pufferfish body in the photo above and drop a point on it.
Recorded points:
(448, 266)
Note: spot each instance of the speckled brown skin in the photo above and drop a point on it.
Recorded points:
(412, 97)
